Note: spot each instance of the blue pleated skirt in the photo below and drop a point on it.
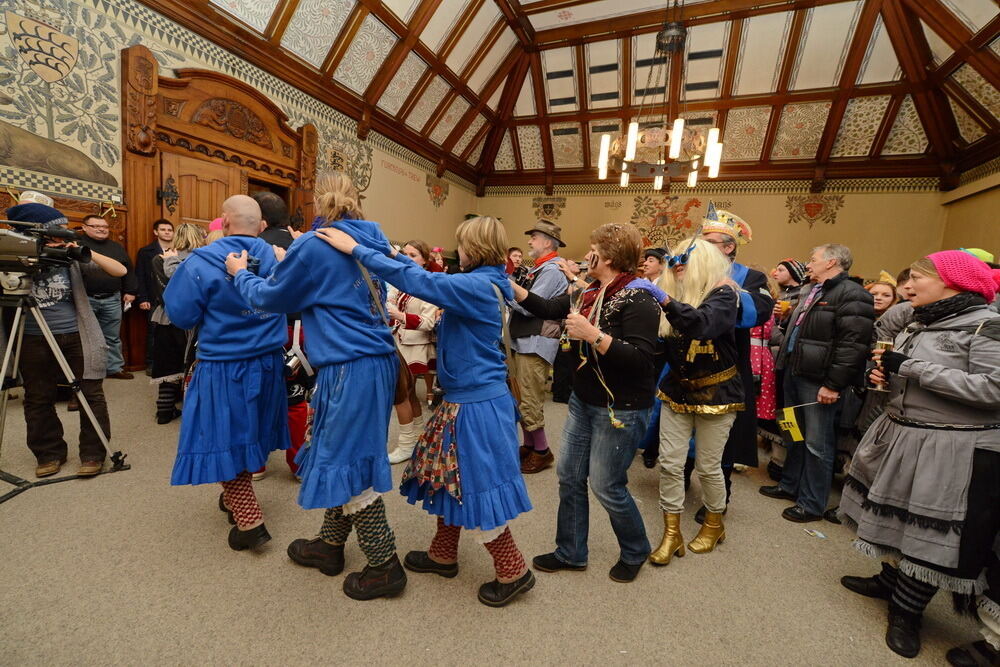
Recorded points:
(347, 452)
(486, 446)
(235, 414)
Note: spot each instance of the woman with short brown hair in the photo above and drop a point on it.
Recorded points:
(615, 326)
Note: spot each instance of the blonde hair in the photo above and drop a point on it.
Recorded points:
(189, 237)
(336, 197)
(926, 267)
(705, 268)
(483, 240)
(214, 236)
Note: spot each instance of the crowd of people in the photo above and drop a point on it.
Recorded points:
(266, 338)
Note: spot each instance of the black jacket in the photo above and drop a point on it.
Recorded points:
(147, 290)
(631, 317)
(833, 341)
(279, 236)
(96, 280)
(704, 377)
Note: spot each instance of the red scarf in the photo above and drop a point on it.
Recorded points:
(615, 286)
(544, 258)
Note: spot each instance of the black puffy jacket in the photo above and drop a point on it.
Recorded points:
(834, 339)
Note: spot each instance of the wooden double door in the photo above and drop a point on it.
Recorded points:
(192, 190)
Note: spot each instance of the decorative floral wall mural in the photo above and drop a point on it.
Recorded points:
(665, 220)
(813, 208)
(437, 189)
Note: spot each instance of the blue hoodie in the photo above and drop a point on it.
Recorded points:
(201, 294)
(470, 362)
(341, 321)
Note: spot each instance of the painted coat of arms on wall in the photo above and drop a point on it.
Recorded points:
(437, 189)
(813, 208)
(548, 207)
(663, 221)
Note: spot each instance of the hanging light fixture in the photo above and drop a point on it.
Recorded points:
(661, 148)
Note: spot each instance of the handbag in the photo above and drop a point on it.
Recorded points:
(405, 384)
(515, 387)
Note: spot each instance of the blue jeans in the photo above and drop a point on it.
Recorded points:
(808, 470)
(592, 449)
(109, 316)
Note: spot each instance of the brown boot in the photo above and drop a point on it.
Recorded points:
(536, 462)
(672, 543)
(712, 532)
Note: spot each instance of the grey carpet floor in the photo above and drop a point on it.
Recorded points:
(125, 569)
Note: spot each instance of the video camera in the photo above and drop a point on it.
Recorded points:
(26, 249)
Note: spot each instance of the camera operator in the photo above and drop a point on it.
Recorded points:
(62, 299)
(107, 292)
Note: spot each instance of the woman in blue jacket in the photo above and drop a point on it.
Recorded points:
(465, 468)
(345, 467)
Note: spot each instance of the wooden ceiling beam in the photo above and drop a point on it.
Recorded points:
(958, 37)
(508, 98)
(280, 19)
(509, 65)
(729, 71)
(582, 91)
(415, 94)
(885, 127)
(628, 87)
(541, 107)
(848, 80)
(784, 81)
(972, 106)
(232, 36)
(464, 19)
(914, 55)
(518, 22)
(483, 50)
(344, 40)
(652, 20)
(400, 50)
(981, 39)
(476, 139)
(922, 166)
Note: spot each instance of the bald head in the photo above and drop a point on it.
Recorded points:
(241, 215)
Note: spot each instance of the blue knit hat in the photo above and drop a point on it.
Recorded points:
(36, 213)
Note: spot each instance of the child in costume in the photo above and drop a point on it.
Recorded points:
(234, 412)
(344, 468)
(465, 468)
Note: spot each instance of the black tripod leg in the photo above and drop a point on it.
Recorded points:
(8, 372)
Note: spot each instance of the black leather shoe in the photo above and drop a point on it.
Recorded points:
(385, 581)
(774, 471)
(240, 540)
(975, 654)
(870, 587)
(799, 515)
(831, 516)
(699, 517)
(326, 557)
(624, 573)
(775, 492)
(495, 594)
(229, 515)
(420, 561)
(167, 417)
(549, 563)
(903, 633)
(648, 461)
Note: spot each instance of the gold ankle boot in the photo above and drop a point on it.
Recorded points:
(673, 541)
(712, 532)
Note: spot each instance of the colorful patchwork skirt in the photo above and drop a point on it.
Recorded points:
(346, 451)
(465, 467)
(235, 414)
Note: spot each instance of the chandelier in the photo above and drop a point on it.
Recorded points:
(654, 146)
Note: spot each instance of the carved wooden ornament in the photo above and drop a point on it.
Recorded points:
(140, 77)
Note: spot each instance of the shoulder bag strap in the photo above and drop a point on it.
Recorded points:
(506, 332)
(377, 298)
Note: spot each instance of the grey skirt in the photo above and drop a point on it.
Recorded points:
(906, 492)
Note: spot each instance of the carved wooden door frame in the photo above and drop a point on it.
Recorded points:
(210, 116)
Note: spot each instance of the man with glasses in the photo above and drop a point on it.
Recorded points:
(106, 292)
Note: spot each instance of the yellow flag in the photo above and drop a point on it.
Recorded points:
(789, 425)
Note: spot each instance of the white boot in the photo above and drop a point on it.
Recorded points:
(407, 440)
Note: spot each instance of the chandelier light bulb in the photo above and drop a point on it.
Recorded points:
(676, 139)
(713, 138)
(693, 176)
(602, 160)
(624, 180)
(633, 140)
(658, 179)
(713, 166)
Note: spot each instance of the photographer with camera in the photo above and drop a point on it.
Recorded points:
(59, 291)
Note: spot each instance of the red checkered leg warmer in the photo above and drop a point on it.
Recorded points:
(238, 496)
(507, 558)
(444, 546)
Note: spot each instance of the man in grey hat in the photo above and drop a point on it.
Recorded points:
(536, 342)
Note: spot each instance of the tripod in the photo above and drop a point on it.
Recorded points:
(16, 294)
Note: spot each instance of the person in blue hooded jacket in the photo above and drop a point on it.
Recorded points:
(234, 413)
(465, 468)
(344, 467)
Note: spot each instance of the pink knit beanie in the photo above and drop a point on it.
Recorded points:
(215, 224)
(960, 270)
